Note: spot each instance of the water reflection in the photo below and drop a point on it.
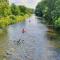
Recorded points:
(3, 44)
(53, 37)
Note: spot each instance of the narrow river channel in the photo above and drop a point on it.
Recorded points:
(31, 45)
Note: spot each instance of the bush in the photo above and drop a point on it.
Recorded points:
(12, 17)
(57, 24)
(5, 21)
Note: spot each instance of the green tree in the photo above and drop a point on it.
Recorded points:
(15, 9)
(22, 10)
(4, 8)
(50, 9)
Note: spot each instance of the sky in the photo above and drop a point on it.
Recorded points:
(27, 3)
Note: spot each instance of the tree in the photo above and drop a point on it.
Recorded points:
(41, 8)
(4, 8)
(50, 9)
(22, 10)
(15, 9)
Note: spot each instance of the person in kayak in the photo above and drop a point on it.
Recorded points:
(23, 30)
(29, 21)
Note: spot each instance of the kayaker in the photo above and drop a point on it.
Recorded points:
(29, 21)
(23, 30)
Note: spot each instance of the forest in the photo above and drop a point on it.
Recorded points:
(10, 14)
(50, 11)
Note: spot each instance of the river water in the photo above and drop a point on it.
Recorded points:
(31, 45)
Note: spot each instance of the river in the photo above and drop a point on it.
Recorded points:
(31, 45)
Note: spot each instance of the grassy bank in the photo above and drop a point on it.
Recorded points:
(5, 21)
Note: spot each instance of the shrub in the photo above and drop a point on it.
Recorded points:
(57, 24)
(12, 17)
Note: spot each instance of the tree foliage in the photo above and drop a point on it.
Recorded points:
(50, 10)
(15, 10)
(4, 8)
(10, 14)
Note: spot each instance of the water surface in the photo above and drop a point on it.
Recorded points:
(33, 45)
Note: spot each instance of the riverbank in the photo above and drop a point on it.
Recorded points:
(12, 19)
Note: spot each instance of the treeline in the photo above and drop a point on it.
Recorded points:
(7, 10)
(10, 14)
(50, 10)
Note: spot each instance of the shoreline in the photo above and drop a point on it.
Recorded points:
(10, 20)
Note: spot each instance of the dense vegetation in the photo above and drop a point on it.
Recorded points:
(50, 10)
(10, 14)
